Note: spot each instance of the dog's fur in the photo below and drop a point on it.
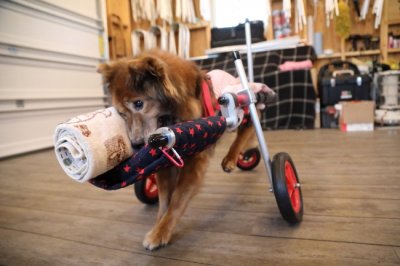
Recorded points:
(156, 85)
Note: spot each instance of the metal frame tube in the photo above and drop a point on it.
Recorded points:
(254, 118)
(249, 54)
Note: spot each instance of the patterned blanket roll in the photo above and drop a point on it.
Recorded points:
(91, 144)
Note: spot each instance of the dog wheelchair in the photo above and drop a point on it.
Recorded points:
(281, 172)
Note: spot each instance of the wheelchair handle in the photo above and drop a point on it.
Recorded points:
(265, 97)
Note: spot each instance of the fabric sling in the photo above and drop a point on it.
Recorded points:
(192, 137)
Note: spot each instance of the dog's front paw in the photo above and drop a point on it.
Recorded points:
(155, 240)
(228, 164)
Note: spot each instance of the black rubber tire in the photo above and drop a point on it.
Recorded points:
(143, 195)
(291, 209)
(249, 160)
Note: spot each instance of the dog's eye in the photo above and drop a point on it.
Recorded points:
(138, 105)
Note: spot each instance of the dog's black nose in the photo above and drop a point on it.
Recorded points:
(137, 146)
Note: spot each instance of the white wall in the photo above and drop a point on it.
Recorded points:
(49, 50)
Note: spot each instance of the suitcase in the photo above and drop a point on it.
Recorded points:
(326, 73)
(344, 85)
(340, 81)
(236, 35)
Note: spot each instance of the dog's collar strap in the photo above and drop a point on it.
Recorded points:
(208, 101)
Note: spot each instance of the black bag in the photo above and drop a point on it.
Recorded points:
(345, 88)
(236, 35)
(341, 81)
(326, 71)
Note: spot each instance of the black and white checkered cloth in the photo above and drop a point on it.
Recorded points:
(295, 106)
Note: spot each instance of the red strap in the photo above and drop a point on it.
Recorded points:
(179, 162)
(208, 109)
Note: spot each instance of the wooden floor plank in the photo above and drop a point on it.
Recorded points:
(25, 248)
(350, 184)
(201, 247)
(244, 183)
(248, 185)
(357, 207)
(328, 228)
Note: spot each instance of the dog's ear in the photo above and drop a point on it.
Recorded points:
(154, 71)
(146, 68)
(107, 71)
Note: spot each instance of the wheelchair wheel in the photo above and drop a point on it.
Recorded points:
(146, 190)
(287, 188)
(249, 160)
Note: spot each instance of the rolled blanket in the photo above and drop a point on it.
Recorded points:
(91, 144)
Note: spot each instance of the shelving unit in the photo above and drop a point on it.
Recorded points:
(200, 35)
(119, 28)
(201, 31)
(353, 54)
(394, 21)
(390, 20)
(120, 35)
(342, 49)
(330, 56)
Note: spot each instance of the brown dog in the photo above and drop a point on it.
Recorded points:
(152, 90)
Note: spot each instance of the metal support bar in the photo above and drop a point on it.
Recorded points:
(254, 117)
(249, 54)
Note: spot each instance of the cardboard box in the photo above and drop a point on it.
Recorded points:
(357, 116)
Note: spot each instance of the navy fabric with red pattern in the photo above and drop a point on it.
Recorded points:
(191, 137)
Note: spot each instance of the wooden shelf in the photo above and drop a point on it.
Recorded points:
(393, 50)
(329, 56)
(197, 26)
(393, 22)
(362, 53)
(350, 54)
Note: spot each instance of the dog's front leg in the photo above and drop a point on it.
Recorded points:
(188, 183)
(166, 182)
(244, 134)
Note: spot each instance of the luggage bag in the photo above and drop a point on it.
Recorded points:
(345, 86)
(340, 81)
(236, 35)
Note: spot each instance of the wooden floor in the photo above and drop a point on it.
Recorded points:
(351, 192)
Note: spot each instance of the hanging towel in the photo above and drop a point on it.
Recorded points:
(154, 33)
(184, 41)
(164, 10)
(91, 144)
(148, 41)
(295, 65)
(171, 42)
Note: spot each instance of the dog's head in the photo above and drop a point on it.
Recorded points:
(150, 91)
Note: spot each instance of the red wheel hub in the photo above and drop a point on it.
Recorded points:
(151, 189)
(247, 162)
(292, 187)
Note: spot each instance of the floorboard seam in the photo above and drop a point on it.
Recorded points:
(100, 246)
(331, 241)
(203, 208)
